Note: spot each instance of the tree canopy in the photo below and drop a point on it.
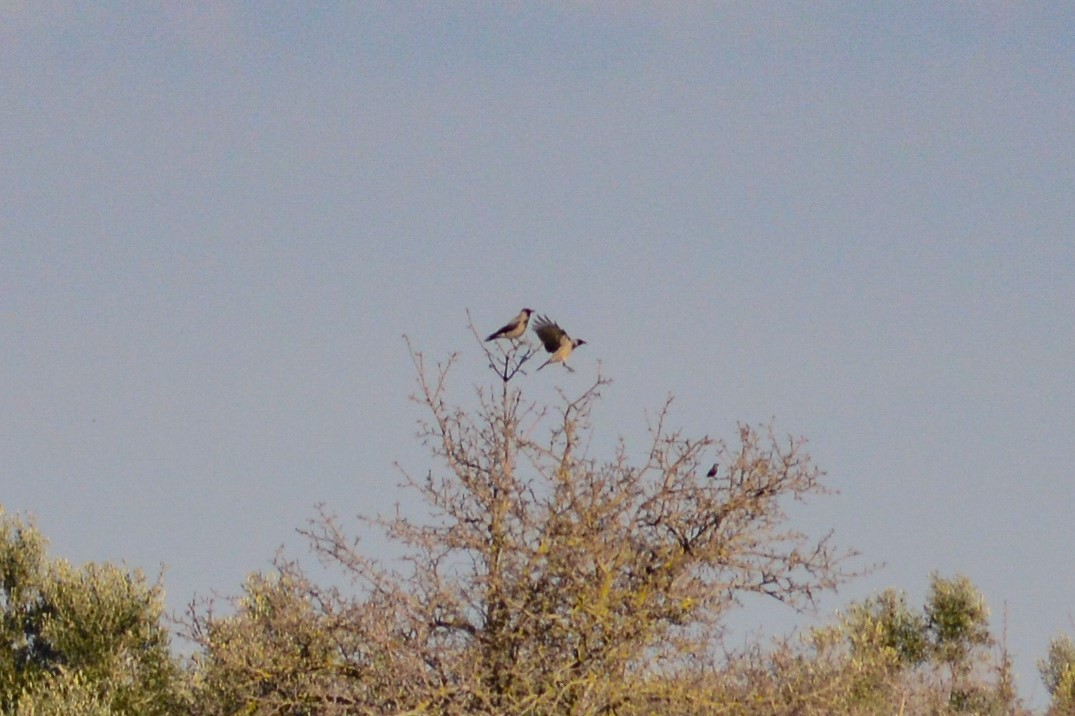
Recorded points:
(536, 578)
(78, 641)
(544, 580)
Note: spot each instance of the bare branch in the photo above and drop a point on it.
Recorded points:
(545, 580)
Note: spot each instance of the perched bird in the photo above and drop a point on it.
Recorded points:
(556, 341)
(712, 471)
(512, 330)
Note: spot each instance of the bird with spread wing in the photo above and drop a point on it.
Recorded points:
(556, 341)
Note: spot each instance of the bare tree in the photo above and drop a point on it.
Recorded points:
(543, 580)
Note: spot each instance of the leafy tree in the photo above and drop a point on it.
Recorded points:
(936, 660)
(886, 622)
(64, 694)
(958, 626)
(958, 620)
(1058, 673)
(544, 580)
(78, 641)
(286, 652)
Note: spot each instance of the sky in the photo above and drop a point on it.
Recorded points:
(218, 221)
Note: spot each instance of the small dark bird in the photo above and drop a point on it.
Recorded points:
(512, 330)
(556, 341)
(712, 471)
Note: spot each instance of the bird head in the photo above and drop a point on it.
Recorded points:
(528, 311)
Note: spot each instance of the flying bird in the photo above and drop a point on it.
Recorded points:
(514, 329)
(556, 341)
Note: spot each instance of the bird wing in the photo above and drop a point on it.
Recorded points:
(509, 327)
(551, 335)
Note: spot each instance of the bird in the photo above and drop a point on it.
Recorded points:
(514, 329)
(712, 471)
(556, 341)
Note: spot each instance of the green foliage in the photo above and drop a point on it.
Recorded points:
(958, 620)
(22, 563)
(64, 695)
(938, 659)
(883, 657)
(885, 622)
(78, 640)
(1058, 673)
(276, 654)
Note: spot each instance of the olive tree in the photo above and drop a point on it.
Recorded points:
(78, 641)
(1058, 674)
(540, 579)
(884, 657)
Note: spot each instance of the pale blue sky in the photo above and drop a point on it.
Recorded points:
(217, 220)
